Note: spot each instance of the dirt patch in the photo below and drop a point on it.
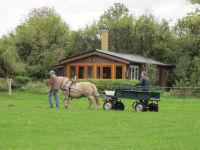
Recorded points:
(11, 105)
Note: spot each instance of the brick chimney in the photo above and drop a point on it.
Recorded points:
(104, 39)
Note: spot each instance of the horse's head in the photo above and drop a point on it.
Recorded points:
(62, 81)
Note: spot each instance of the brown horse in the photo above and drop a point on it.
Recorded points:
(78, 90)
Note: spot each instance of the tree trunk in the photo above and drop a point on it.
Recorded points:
(9, 82)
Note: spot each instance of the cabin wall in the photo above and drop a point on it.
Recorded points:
(95, 67)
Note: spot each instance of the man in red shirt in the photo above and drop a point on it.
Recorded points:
(54, 87)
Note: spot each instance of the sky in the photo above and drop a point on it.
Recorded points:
(78, 13)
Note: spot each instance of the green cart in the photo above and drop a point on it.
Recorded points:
(142, 100)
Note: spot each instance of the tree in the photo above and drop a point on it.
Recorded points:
(120, 25)
(188, 40)
(187, 30)
(194, 1)
(10, 64)
(41, 40)
(144, 31)
(83, 40)
(143, 35)
(164, 43)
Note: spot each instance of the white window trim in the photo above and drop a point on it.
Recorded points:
(136, 76)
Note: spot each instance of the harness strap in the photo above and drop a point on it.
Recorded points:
(70, 88)
(62, 83)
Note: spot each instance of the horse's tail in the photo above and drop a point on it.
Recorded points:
(96, 94)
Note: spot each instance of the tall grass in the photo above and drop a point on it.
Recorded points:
(27, 123)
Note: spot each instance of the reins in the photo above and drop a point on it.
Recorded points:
(63, 85)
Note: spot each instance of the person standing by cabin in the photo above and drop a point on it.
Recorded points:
(54, 87)
(144, 81)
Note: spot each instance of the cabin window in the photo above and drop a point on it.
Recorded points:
(119, 72)
(81, 72)
(72, 71)
(89, 73)
(134, 73)
(106, 72)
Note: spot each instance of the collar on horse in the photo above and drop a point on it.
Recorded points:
(64, 84)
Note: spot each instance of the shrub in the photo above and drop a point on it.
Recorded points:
(108, 84)
(22, 79)
(46, 82)
(36, 85)
(3, 85)
(182, 88)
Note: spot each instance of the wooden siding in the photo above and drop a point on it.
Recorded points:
(94, 69)
(94, 55)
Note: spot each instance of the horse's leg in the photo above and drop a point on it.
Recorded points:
(96, 96)
(91, 101)
(97, 101)
(66, 100)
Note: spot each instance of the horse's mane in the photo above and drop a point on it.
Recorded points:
(62, 79)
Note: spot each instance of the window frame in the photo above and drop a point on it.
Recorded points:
(134, 69)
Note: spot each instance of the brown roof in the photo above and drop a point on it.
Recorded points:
(120, 57)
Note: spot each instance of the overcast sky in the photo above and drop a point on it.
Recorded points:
(78, 13)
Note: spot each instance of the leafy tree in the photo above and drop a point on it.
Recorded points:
(120, 25)
(143, 35)
(152, 72)
(41, 40)
(195, 75)
(153, 38)
(194, 1)
(188, 40)
(10, 64)
(144, 30)
(83, 40)
(164, 43)
(187, 30)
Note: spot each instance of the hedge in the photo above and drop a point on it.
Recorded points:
(108, 84)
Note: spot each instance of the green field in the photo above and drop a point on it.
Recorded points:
(27, 123)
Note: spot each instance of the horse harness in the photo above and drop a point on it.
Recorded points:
(69, 88)
(62, 86)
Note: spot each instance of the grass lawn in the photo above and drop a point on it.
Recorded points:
(27, 123)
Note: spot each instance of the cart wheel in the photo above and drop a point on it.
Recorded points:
(118, 106)
(156, 108)
(153, 107)
(139, 107)
(107, 105)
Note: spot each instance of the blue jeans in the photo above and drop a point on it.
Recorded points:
(55, 94)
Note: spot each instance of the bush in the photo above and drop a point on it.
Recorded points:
(3, 85)
(46, 82)
(22, 79)
(182, 88)
(108, 84)
(36, 85)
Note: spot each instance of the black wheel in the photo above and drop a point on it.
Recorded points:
(153, 107)
(156, 109)
(118, 106)
(139, 107)
(108, 105)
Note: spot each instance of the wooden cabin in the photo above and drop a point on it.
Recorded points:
(105, 64)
